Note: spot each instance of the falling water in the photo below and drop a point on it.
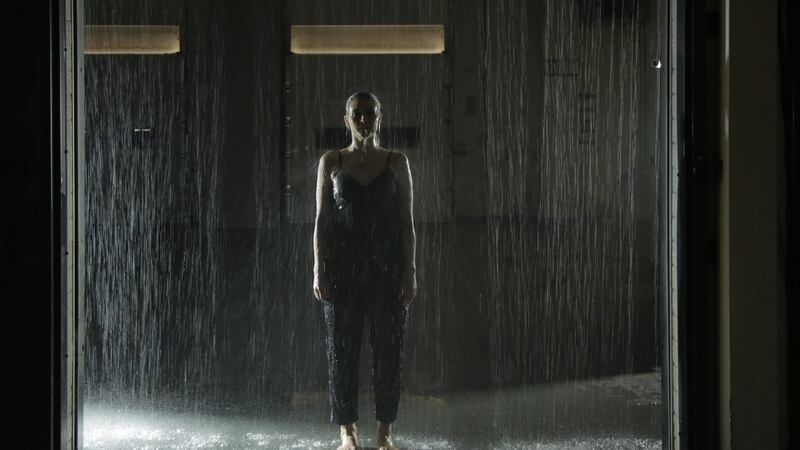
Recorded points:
(154, 140)
(532, 147)
(571, 201)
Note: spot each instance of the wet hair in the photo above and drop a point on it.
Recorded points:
(361, 95)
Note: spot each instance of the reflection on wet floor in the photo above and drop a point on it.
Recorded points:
(611, 413)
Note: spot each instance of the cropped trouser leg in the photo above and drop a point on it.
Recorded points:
(387, 330)
(344, 317)
(344, 320)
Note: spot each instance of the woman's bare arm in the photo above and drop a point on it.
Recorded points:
(323, 209)
(403, 171)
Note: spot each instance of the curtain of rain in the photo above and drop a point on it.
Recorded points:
(533, 144)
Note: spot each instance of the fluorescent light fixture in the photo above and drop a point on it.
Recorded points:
(367, 39)
(132, 39)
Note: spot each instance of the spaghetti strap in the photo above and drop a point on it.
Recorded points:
(340, 158)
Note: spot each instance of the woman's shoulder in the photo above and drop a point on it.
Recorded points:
(328, 162)
(398, 164)
(397, 159)
(329, 157)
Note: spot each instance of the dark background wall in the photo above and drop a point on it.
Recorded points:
(752, 237)
(29, 237)
(790, 96)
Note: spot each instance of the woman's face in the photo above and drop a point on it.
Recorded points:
(363, 119)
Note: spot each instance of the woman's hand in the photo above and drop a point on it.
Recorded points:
(408, 287)
(321, 286)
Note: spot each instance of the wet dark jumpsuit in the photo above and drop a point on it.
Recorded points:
(364, 266)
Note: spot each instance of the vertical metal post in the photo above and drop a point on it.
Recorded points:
(671, 93)
(69, 151)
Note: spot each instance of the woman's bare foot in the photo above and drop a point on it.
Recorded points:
(384, 436)
(348, 435)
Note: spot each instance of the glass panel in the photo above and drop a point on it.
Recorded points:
(533, 145)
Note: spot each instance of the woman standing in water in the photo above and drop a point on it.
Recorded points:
(364, 266)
